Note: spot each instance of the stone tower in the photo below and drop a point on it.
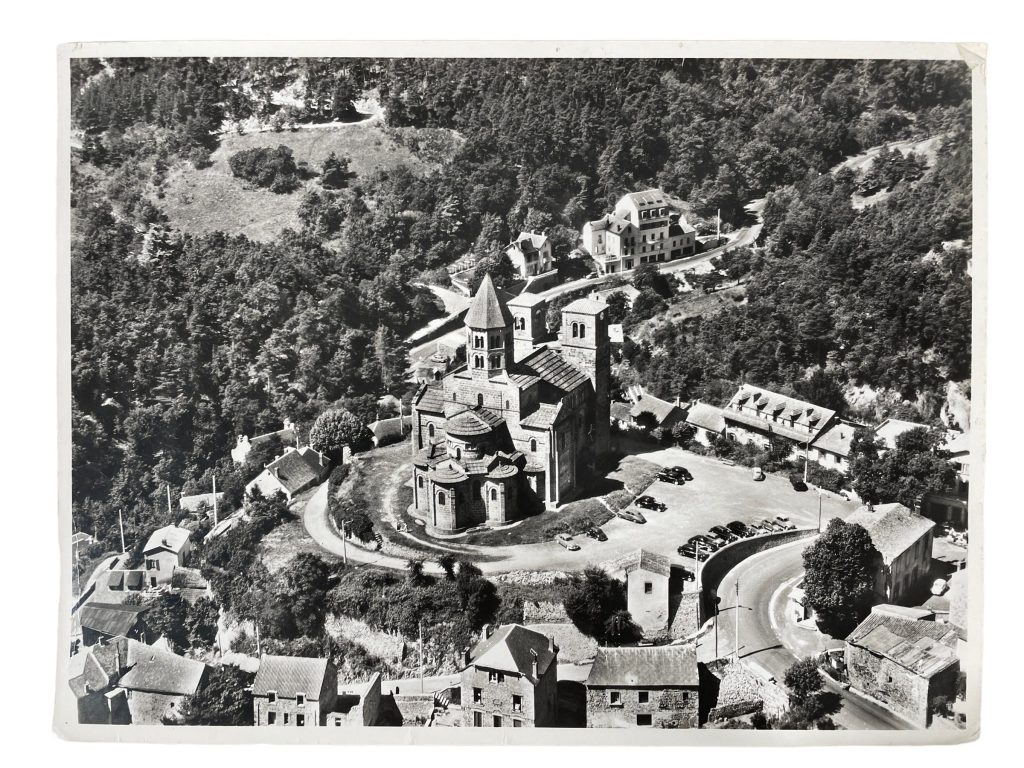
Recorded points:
(585, 344)
(529, 322)
(488, 322)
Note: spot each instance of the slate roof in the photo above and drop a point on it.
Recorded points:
(610, 221)
(706, 417)
(893, 528)
(660, 409)
(573, 646)
(749, 402)
(890, 429)
(487, 310)
(288, 675)
(157, 671)
(472, 422)
(836, 438)
(922, 647)
(665, 666)
(527, 300)
(430, 399)
(542, 418)
(111, 618)
(553, 369)
(170, 537)
(619, 410)
(646, 561)
(586, 307)
(523, 380)
(296, 469)
(648, 198)
(510, 648)
(528, 242)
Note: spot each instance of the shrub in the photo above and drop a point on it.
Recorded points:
(273, 169)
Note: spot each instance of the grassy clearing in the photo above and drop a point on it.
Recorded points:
(211, 199)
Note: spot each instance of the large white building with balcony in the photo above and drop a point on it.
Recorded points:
(644, 228)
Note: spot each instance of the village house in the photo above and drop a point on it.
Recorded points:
(890, 429)
(906, 664)
(707, 421)
(201, 503)
(904, 540)
(123, 681)
(736, 689)
(105, 621)
(287, 435)
(167, 548)
(646, 412)
(643, 228)
(755, 415)
(294, 691)
(510, 679)
(636, 687)
(530, 254)
(647, 591)
(831, 448)
(502, 434)
(292, 473)
(951, 506)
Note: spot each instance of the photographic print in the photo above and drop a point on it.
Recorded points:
(625, 388)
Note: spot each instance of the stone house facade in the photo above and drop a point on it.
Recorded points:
(510, 680)
(656, 687)
(530, 254)
(904, 540)
(294, 691)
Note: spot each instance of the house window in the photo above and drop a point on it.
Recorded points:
(272, 697)
(517, 703)
(643, 697)
(615, 698)
(337, 721)
(152, 565)
(478, 719)
(419, 481)
(517, 723)
(271, 718)
(648, 588)
(478, 696)
(644, 720)
(300, 699)
(441, 499)
(286, 718)
(494, 494)
(430, 430)
(497, 721)
(480, 397)
(533, 445)
(300, 719)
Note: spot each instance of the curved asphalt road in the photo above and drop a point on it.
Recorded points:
(767, 642)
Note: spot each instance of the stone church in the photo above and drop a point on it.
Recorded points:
(521, 423)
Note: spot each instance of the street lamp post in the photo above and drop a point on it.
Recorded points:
(819, 510)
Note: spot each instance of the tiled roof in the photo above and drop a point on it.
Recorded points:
(922, 647)
(573, 646)
(471, 422)
(890, 429)
(156, 671)
(542, 418)
(835, 438)
(288, 675)
(170, 537)
(648, 197)
(893, 528)
(586, 307)
(750, 402)
(296, 469)
(626, 290)
(706, 417)
(487, 310)
(523, 380)
(529, 241)
(660, 409)
(527, 300)
(655, 667)
(611, 221)
(619, 410)
(511, 648)
(646, 561)
(430, 399)
(111, 618)
(553, 369)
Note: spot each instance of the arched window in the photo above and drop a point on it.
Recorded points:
(508, 405)
(480, 399)
(419, 481)
(430, 430)
(478, 342)
(533, 445)
(495, 361)
(458, 452)
(494, 494)
(583, 331)
(575, 330)
(478, 361)
(441, 499)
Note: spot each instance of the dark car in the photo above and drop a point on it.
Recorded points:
(706, 542)
(688, 550)
(682, 472)
(649, 502)
(740, 529)
(723, 533)
(797, 482)
(667, 477)
(631, 514)
(597, 533)
(768, 526)
(685, 574)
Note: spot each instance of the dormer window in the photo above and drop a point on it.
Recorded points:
(300, 699)
(271, 697)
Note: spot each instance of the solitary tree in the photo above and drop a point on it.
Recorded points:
(335, 429)
(803, 679)
(592, 599)
(336, 173)
(839, 575)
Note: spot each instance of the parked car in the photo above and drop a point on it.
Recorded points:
(631, 514)
(667, 477)
(757, 473)
(723, 533)
(797, 482)
(649, 502)
(688, 550)
(566, 541)
(597, 533)
(770, 526)
(939, 586)
(685, 575)
(785, 522)
(707, 542)
(683, 472)
(740, 529)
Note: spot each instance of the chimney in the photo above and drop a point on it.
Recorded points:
(485, 631)
(277, 472)
(465, 657)
(551, 643)
(533, 663)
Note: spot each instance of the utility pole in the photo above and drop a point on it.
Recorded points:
(736, 647)
(257, 626)
(819, 510)
(344, 547)
(215, 521)
(421, 655)
(807, 454)
(120, 522)
(169, 512)
(718, 232)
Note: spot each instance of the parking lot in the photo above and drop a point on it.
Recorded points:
(718, 494)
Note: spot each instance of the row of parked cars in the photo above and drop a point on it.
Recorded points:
(701, 547)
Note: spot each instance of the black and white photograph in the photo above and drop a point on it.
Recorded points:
(544, 390)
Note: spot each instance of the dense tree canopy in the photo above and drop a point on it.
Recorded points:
(839, 575)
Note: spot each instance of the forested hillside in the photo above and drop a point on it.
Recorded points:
(181, 342)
